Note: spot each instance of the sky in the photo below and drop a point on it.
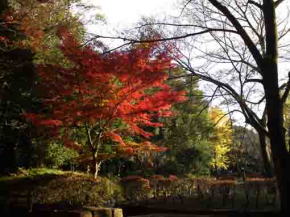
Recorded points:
(127, 12)
(122, 15)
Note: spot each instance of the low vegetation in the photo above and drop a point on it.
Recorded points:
(128, 118)
(74, 189)
(202, 193)
(55, 187)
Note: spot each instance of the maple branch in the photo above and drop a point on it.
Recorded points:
(163, 39)
(99, 135)
(91, 144)
(116, 48)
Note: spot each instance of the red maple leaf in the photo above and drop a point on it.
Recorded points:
(98, 92)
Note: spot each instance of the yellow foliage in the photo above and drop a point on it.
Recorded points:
(222, 138)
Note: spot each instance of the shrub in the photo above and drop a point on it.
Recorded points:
(136, 187)
(63, 188)
(58, 156)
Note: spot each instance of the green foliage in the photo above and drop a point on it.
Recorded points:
(39, 22)
(79, 191)
(245, 151)
(34, 172)
(47, 186)
(58, 156)
(196, 139)
(30, 37)
(16, 81)
(186, 134)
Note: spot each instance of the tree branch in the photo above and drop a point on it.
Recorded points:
(277, 3)
(255, 3)
(255, 80)
(183, 8)
(163, 39)
(241, 31)
(250, 116)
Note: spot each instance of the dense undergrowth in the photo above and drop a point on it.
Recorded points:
(202, 192)
(73, 189)
(47, 186)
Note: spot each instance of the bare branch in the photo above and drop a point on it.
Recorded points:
(257, 103)
(250, 116)
(254, 80)
(208, 103)
(255, 3)
(224, 115)
(181, 25)
(162, 39)
(277, 3)
(183, 8)
(241, 31)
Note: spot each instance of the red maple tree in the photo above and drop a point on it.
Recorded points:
(106, 98)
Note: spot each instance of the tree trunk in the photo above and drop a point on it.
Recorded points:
(97, 169)
(274, 107)
(279, 151)
(267, 166)
(281, 161)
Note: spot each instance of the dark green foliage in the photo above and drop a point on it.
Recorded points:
(201, 193)
(59, 156)
(19, 145)
(3, 5)
(186, 135)
(17, 79)
(245, 153)
(68, 189)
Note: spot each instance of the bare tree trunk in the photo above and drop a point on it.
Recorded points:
(278, 144)
(267, 166)
(95, 146)
(274, 107)
(96, 166)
